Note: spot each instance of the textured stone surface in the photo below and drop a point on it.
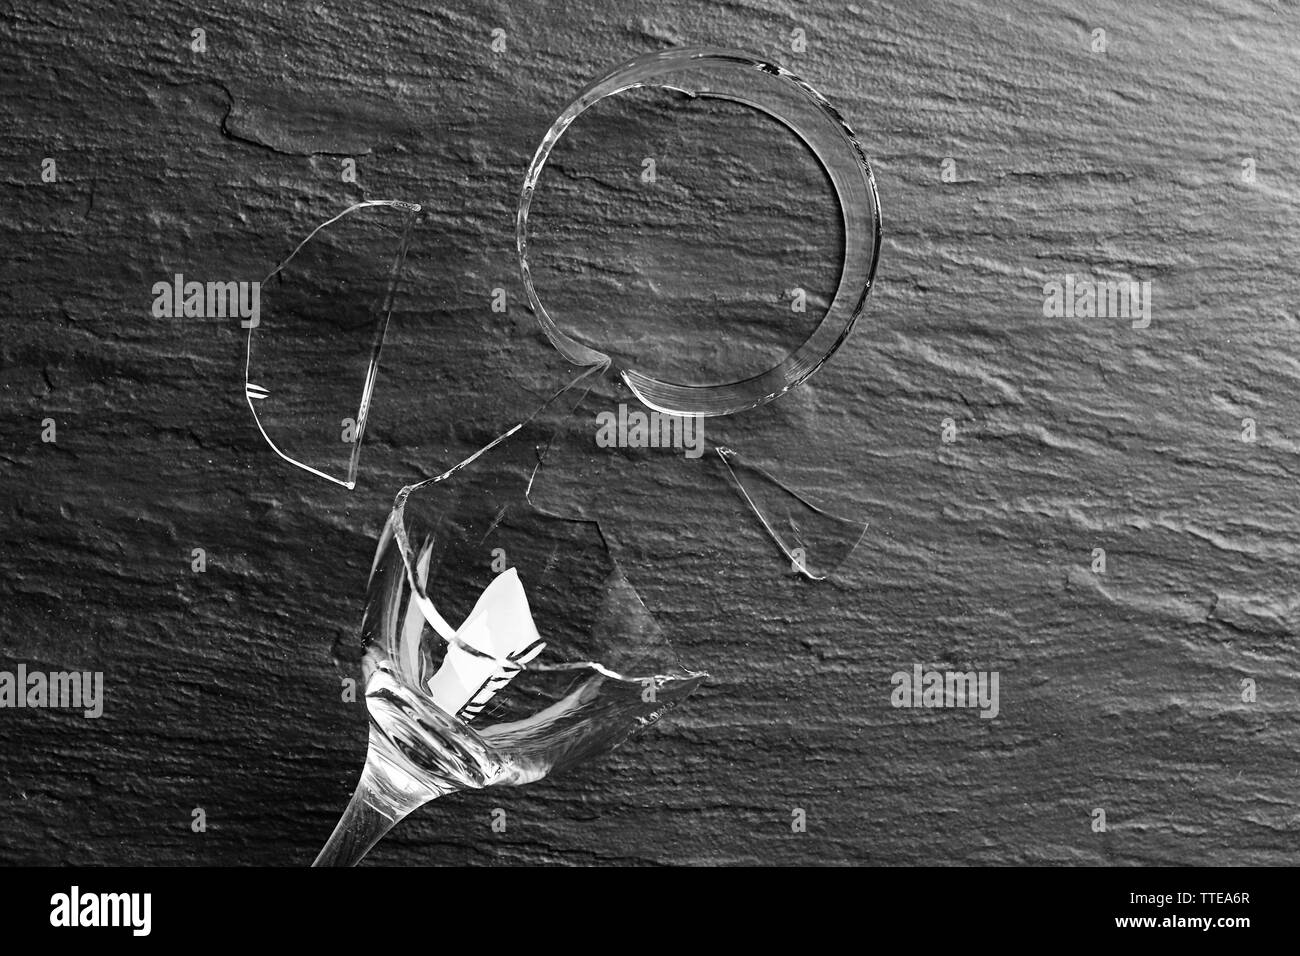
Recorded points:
(1119, 691)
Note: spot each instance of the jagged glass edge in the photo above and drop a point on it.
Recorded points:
(381, 330)
(387, 791)
(575, 390)
(730, 456)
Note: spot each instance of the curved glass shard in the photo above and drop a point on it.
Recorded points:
(815, 541)
(500, 643)
(637, 470)
(313, 351)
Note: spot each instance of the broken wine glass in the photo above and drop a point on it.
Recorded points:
(500, 643)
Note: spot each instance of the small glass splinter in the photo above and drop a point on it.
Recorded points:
(313, 352)
(500, 643)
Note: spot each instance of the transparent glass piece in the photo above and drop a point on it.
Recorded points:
(313, 352)
(814, 541)
(500, 643)
(633, 469)
(741, 78)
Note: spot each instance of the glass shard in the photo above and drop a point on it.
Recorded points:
(814, 541)
(313, 352)
(638, 472)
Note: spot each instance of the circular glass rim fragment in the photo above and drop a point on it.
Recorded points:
(730, 75)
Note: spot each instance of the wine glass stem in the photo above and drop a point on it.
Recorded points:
(361, 826)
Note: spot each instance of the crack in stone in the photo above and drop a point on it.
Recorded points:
(259, 144)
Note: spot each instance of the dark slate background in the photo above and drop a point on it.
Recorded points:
(1119, 691)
